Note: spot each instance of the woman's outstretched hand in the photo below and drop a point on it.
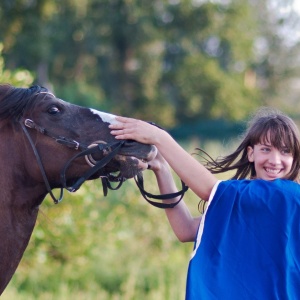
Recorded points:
(158, 164)
(190, 171)
(133, 129)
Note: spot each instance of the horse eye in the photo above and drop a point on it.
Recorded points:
(53, 110)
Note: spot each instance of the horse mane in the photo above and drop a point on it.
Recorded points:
(14, 101)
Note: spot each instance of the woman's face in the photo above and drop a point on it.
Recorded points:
(269, 162)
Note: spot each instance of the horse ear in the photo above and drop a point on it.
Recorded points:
(4, 89)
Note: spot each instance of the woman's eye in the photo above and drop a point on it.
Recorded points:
(286, 151)
(53, 110)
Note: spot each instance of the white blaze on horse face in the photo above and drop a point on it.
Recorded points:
(109, 118)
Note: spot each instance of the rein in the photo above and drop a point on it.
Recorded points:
(140, 184)
(96, 166)
(139, 180)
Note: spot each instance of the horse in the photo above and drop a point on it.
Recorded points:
(48, 143)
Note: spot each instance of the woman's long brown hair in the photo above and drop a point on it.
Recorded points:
(267, 126)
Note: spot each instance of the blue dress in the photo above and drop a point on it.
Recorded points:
(248, 243)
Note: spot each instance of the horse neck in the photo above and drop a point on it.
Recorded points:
(15, 230)
(18, 215)
(19, 200)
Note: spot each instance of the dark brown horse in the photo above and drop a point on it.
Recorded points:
(40, 138)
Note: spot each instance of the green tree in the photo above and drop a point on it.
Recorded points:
(18, 77)
(211, 61)
(277, 54)
(26, 41)
(135, 57)
(168, 61)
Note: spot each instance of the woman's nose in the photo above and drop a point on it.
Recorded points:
(275, 157)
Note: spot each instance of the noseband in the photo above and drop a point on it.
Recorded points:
(109, 151)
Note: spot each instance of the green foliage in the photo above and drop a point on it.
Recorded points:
(207, 92)
(166, 61)
(213, 61)
(17, 77)
(172, 62)
(277, 60)
(82, 94)
(93, 247)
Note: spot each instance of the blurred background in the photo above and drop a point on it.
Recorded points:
(198, 68)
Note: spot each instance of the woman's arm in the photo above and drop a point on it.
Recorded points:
(191, 171)
(183, 224)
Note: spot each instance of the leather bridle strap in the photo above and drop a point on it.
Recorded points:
(140, 183)
(40, 164)
(106, 178)
(73, 144)
(98, 166)
(59, 139)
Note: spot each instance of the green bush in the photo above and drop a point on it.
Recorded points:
(19, 77)
(95, 247)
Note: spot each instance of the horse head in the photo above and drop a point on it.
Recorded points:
(40, 134)
(64, 121)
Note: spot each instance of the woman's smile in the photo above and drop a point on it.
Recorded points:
(269, 162)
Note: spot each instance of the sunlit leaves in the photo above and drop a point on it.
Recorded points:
(18, 77)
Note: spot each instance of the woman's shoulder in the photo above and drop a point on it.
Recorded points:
(261, 186)
(258, 194)
(246, 182)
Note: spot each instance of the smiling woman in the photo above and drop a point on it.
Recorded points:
(270, 162)
(273, 134)
(251, 222)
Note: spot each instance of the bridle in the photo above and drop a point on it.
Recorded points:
(86, 151)
(111, 150)
(140, 184)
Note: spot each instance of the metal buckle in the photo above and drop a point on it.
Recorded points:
(29, 123)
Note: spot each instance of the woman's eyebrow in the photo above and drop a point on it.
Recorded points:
(265, 144)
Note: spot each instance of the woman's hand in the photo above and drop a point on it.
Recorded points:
(190, 171)
(158, 164)
(132, 129)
